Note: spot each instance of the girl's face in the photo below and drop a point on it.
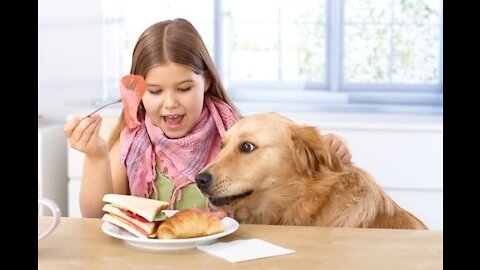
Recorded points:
(174, 98)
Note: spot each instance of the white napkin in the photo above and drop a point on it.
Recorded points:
(244, 250)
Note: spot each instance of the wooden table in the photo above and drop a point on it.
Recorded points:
(79, 243)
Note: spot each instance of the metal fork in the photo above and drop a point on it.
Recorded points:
(108, 104)
(131, 86)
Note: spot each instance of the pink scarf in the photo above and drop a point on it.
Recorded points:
(181, 158)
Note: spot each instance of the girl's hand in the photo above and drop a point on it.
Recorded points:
(339, 145)
(83, 135)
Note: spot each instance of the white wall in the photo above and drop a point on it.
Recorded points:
(69, 56)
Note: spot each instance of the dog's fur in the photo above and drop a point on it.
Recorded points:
(273, 171)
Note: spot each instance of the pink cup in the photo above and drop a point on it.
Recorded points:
(56, 216)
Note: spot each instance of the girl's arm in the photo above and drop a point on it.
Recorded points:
(102, 169)
(101, 175)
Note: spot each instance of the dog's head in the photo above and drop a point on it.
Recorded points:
(264, 153)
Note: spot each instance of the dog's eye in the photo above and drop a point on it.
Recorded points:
(247, 147)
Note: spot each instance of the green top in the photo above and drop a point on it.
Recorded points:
(192, 196)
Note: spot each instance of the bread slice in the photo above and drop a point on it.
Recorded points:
(125, 224)
(149, 209)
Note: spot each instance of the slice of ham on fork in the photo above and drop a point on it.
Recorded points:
(132, 88)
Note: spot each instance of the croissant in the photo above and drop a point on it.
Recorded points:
(188, 223)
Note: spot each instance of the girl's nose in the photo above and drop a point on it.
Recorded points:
(170, 100)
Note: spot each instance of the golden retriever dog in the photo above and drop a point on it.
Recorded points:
(271, 170)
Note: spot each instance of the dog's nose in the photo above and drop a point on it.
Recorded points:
(203, 180)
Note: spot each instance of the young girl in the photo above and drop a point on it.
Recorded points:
(183, 115)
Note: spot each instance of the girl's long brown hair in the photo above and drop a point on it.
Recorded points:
(175, 41)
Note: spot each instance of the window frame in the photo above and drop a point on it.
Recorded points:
(334, 94)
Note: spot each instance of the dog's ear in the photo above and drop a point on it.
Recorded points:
(311, 153)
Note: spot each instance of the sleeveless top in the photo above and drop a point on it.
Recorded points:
(192, 196)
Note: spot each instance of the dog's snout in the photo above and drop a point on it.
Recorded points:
(203, 180)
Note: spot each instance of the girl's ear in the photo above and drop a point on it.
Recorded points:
(208, 81)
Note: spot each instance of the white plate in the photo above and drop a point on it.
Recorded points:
(230, 225)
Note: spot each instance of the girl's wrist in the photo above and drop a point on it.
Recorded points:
(97, 156)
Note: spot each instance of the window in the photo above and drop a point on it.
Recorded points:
(355, 55)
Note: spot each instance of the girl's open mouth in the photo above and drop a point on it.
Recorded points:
(173, 121)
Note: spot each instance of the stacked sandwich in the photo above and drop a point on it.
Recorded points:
(139, 216)
(145, 218)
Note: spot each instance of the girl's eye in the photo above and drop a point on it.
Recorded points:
(155, 92)
(185, 89)
(247, 147)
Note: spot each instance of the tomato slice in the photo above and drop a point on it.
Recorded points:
(133, 215)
